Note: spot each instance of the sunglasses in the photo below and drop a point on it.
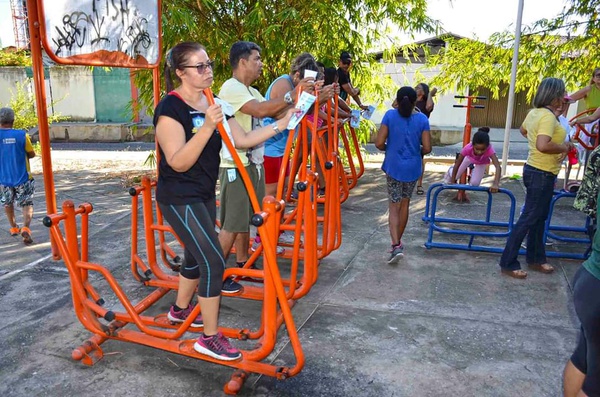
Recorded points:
(201, 67)
(346, 62)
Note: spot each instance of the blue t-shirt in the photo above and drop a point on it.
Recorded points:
(403, 147)
(13, 157)
(275, 146)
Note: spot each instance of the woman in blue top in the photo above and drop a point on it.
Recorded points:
(405, 138)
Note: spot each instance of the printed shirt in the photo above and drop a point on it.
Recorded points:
(403, 146)
(483, 158)
(198, 183)
(586, 198)
(237, 95)
(541, 121)
(592, 264)
(14, 163)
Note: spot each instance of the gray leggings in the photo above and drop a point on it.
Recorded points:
(203, 258)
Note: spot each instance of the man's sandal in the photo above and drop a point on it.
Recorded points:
(420, 190)
(520, 274)
(542, 268)
(14, 231)
(26, 234)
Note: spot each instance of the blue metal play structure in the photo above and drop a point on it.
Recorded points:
(481, 227)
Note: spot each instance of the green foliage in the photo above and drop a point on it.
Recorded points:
(23, 103)
(564, 47)
(14, 58)
(284, 29)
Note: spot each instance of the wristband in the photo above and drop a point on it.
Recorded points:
(276, 129)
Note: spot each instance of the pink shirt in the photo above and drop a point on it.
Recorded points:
(311, 116)
(483, 158)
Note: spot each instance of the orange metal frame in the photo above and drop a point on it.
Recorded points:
(581, 131)
(278, 295)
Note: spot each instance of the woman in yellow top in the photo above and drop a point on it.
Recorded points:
(591, 93)
(547, 149)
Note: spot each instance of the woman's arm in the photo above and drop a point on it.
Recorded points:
(425, 142)
(179, 154)
(582, 93)
(381, 138)
(544, 144)
(523, 131)
(429, 104)
(457, 164)
(587, 119)
(244, 140)
(497, 175)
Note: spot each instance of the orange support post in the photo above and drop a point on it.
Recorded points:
(42, 113)
(461, 195)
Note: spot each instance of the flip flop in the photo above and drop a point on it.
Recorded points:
(520, 274)
(14, 231)
(420, 190)
(542, 268)
(26, 234)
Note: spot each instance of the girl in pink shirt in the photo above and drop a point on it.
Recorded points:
(479, 153)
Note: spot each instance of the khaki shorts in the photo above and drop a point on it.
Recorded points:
(236, 210)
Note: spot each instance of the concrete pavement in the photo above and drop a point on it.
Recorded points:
(440, 323)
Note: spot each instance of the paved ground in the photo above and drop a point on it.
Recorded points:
(440, 323)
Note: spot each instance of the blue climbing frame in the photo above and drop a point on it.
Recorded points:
(506, 226)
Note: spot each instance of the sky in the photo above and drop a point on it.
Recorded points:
(467, 18)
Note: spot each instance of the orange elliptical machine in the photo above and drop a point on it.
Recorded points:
(277, 294)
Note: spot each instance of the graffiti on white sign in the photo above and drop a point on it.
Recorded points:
(78, 28)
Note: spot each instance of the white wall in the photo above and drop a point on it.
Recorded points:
(74, 85)
(444, 114)
(9, 76)
(73, 89)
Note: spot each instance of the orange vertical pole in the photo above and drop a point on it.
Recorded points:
(134, 96)
(42, 113)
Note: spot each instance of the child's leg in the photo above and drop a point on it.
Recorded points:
(477, 174)
(463, 167)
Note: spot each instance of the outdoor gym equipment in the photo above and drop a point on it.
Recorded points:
(431, 207)
(461, 195)
(587, 139)
(130, 325)
(550, 229)
(482, 227)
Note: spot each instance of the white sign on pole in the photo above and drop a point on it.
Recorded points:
(111, 32)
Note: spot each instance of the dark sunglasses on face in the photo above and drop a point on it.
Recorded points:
(201, 67)
(346, 62)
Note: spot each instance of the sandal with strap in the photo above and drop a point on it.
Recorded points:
(14, 231)
(542, 268)
(26, 234)
(420, 190)
(520, 274)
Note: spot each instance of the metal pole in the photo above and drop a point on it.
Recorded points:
(511, 93)
(42, 112)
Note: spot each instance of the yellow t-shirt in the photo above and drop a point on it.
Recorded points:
(237, 95)
(28, 149)
(542, 121)
(592, 99)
